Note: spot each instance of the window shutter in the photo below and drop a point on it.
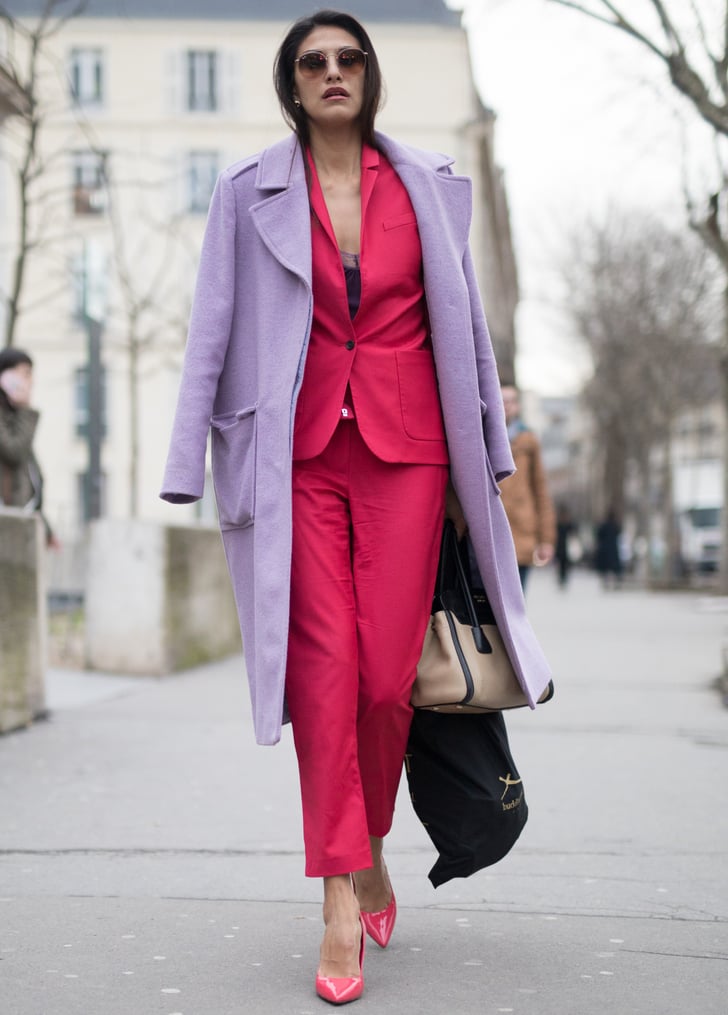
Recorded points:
(231, 79)
(174, 84)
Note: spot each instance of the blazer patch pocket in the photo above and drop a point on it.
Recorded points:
(419, 396)
(234, 439)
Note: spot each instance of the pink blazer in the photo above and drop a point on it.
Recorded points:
(384, 355)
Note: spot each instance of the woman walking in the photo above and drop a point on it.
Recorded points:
(338, 350)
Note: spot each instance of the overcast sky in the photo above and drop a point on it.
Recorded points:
(586, 121)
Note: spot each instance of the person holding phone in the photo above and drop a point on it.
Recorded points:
(21, 480)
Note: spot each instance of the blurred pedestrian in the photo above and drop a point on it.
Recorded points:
(335, 291)
(21, 481)
(566, 537)
(608, 557)
(525, 494)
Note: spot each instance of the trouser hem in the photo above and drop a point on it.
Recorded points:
(339, 865)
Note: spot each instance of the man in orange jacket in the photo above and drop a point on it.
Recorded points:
(525, 494)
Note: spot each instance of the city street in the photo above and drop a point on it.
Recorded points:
(151, 859)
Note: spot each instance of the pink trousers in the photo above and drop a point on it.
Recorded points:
(366, 538)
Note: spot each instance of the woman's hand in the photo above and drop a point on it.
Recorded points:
(543, 553)
(454, 511)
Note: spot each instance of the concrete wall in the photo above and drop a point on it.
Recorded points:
(22, 619)
(158, 598)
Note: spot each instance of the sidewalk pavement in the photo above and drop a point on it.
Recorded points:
(151, 860)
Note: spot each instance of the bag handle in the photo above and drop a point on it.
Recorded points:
(452, 549)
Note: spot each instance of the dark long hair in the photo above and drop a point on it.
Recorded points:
(284, 71)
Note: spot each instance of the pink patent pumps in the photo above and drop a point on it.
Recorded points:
(380, 925)
(342, 989)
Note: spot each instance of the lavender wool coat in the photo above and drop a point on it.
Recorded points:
(243, 367)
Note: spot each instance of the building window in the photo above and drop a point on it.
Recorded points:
(89, 183)
(202, 80)
(81, 402)
(202, 173)
(87, 76)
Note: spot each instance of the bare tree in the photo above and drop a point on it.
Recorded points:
(25, 70)
(692, 44)
(152, 310)
(144, 240)
(642, 297)
(130, 271)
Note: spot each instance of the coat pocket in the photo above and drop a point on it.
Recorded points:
(234, 439)
(488, 466)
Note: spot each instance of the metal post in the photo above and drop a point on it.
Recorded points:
(92, 306)
(94, 425)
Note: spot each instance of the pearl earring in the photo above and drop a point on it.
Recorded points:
(296, 102)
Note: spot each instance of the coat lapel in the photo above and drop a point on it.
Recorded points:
(282, 216)
(442, 204)
(441, 200)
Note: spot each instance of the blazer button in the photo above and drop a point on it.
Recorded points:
(350, 344)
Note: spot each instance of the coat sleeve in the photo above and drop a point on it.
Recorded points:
(209, 335)
(494, 423)
(545, 514)
(17, 430)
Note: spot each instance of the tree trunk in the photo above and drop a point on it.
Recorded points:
(672, 569)
(643, 535)
(615, 464)
(19, 266)
(133, 425)
(723, 574)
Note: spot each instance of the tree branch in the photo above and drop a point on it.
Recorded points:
(682, 75)
(61, 19)
(668, 28)
(618, 21)
(719, 64)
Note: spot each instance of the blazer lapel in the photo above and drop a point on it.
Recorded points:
(369, 167)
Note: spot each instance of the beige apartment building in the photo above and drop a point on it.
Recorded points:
(142, 109)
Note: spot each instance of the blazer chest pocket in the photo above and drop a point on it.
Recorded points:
(234, 439)
(396, 221)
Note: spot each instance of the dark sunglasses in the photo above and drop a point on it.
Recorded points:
(315, 62)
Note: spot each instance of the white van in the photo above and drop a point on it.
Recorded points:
(700, 538)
